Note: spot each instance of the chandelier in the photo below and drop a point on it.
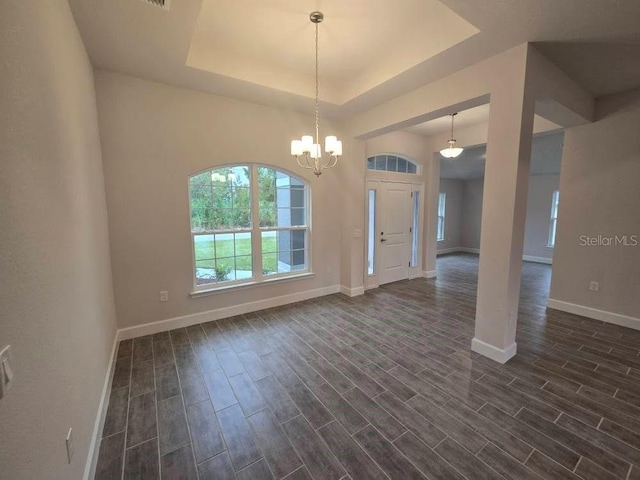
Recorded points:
(307, 150)
(451, 151)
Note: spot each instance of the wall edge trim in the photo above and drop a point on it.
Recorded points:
(532, 258)
(94, 445)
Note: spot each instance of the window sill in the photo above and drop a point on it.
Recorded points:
(243, 286)
(550, 246)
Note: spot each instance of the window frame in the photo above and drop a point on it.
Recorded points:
(442, 202)
(553, 221)
(397, 156)
(255, 231)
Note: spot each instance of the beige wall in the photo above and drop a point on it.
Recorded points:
(56, 302)
(470, 226)
(600, 195)
(541, 188)
(153, 137)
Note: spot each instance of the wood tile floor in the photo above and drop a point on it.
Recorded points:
(379, 386)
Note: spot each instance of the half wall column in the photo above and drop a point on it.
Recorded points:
(503, 219)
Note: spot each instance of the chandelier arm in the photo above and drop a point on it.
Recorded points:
(302, 164)
(333, 161)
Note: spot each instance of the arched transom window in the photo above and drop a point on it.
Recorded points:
(249, 223)
(391, 163)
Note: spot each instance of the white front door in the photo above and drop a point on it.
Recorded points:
(394, 232)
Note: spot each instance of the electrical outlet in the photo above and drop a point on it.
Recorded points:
(69, 442)
(6, 372)
(594, 286)
(164, 296)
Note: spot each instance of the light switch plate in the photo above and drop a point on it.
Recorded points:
(6, 371)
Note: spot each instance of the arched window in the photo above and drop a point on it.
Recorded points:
(249, 223)
(392, 163)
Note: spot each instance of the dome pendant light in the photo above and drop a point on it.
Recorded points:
(451, 151)
(307, 150)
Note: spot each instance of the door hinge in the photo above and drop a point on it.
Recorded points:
(411, 194)
(409, 264)
(410, 229)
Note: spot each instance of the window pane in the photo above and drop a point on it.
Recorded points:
(291, 217)
(201, 219)
(204, 247)
(239, 176)
(221, 197)
(371, 163)
(298, 238)
(402, 165)
(268, 217)
(297, 197)
(242, 243)
(224, 245)
(371, 232)
(244, 267)
(415, 227)
(284, 251)
(205, 273)
(200, 196)
(240, 197)
(411, 168)
(269, 242)
(202, 179)
(392, 164)
(239, 218)
(269, 263)
(225, 271)
(381, 162)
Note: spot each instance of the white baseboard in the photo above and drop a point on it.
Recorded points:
(429, 273)
(193, 319)
(444, 251)
(351, 292)
(531, 258)
(494, 353)
(602, 315)
(526, 258)
(94, 446)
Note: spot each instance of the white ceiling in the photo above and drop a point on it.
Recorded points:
(372, 50)
(618, 64)
(362, 43)
(546, 157)
(464, 119)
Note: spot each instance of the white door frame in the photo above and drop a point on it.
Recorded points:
(374, 182)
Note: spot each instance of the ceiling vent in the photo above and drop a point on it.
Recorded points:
(163, 4)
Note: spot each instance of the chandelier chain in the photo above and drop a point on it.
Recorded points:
(317, 92)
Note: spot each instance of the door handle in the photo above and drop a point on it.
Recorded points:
(383, 240)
